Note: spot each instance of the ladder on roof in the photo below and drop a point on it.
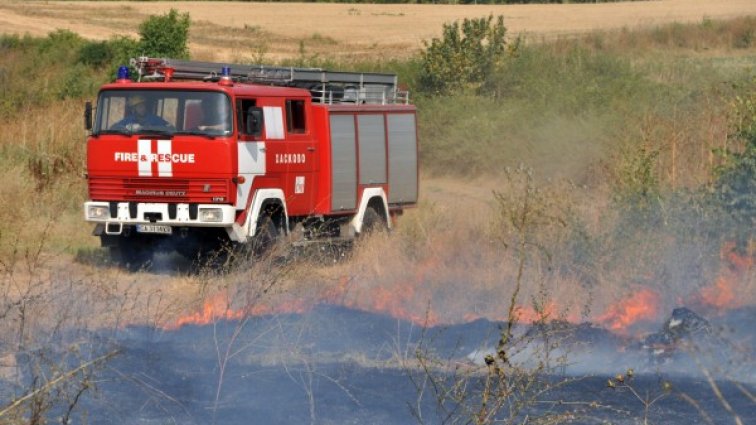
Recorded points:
(325, 86)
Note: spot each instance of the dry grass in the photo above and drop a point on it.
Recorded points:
(447, 264)
(684, 142)
(446, 258)
(45, 150)
(455, 258)
(367, 31)
(444, 263)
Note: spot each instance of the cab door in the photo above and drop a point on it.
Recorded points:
(300, 157)
(251, 151)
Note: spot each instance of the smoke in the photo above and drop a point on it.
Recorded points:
(259, 343)
(327, 337)
(333, 364)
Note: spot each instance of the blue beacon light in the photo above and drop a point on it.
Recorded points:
(123, 73)
(225, 78)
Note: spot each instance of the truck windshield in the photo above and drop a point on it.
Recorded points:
(163, 112)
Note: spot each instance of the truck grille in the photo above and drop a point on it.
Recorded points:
(159, 190)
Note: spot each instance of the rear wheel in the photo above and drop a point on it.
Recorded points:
(373, 222)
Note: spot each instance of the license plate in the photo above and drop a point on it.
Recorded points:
(154, 228)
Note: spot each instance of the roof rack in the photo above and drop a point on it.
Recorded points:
(325, 86)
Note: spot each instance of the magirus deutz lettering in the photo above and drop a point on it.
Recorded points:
(171, 193)
(207, 155)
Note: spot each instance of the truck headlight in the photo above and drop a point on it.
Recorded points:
(98, 212)
(211, 215)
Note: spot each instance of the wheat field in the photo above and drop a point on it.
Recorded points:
(241, 30)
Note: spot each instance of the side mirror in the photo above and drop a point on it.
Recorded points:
(88, 115)
(254, 123)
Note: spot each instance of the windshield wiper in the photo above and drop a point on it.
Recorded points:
(196, 133)
(140, 132)
(121, 132)
(151, 131)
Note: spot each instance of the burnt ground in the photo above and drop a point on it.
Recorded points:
(335, 365)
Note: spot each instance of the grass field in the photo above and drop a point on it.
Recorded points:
(241, 30)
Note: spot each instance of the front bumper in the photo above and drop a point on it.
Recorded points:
(115, 215)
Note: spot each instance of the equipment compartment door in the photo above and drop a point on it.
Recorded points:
(343, 163)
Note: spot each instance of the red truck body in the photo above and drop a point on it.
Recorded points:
(278, 156)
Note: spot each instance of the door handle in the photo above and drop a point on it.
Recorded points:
(311, 149)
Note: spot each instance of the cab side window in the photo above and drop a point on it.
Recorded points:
(296, 122)
(250, 118)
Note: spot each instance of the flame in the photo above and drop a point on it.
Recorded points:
(410, 298)
(400, 299)
(528, 314)
(471, 317)
(642, 305)
(405, 299)
(737, 262)
(719, 295)
(726, 291)
(399, 304)
(214, 308)
(217, 307)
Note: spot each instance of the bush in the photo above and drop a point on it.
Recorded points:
(165, 36)
(57, 47)
(10, 41)
(160, 36)
(736, 179)
(96, 54)
(464, 56)
(109, 55)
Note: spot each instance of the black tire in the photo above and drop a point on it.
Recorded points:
(372, 222)
(190, 251)
(132, 254)
(267, 235)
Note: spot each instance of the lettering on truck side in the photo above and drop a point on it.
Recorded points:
(145, 192)
(176, 158)
(290, 158)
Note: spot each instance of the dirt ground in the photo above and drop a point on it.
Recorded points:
(242, 30)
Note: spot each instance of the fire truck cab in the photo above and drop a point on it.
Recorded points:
(194, 155)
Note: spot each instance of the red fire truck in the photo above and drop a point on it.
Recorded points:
(195, 155)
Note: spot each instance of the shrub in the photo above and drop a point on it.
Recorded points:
(57, 47)
(109, 54)
(160, 36)
(79, 81)
(166, 35)
(10, 41)
(736, 179)
(96, 54)
(464, 56)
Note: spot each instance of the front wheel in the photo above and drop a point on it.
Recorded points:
(131, 254)
(267, 235)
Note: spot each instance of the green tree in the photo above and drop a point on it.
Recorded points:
(165, 35)
(464, 55)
